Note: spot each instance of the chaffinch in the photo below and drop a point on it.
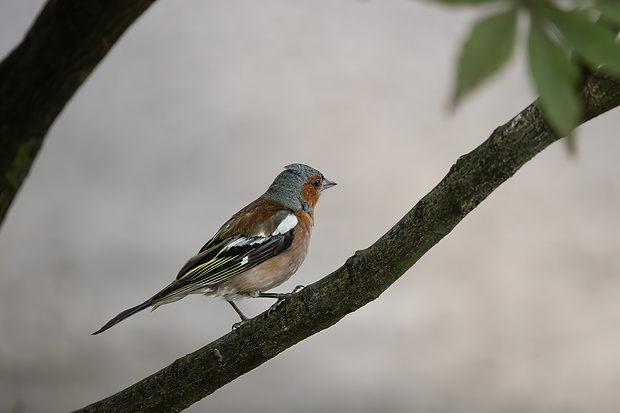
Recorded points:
(257, 249)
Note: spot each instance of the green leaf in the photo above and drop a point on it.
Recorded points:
(556, 79)
(463, 1)
(487, 48)
(610, 9)
(593, 42)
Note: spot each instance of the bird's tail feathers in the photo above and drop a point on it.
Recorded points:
(124, 315)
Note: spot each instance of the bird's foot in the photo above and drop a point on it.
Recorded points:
(242, 316)
(297, 289)
(280, 298)
(239, 324)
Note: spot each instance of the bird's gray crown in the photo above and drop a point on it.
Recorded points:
(286, 188)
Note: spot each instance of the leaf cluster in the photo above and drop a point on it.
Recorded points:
(565, 40)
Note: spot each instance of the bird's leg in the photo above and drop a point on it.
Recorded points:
(279, 297)
(238, 311)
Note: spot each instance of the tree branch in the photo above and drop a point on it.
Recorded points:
(365, 275)
(37, 79)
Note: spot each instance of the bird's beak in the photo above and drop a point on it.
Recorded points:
(328, 184)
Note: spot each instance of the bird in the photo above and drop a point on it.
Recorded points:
(257, 249)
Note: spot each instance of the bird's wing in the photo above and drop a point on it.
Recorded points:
(224, 256)
(260, 218)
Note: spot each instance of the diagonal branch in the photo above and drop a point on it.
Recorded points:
(365, 275)
(37, 79)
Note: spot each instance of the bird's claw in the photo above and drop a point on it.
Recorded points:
(275, 305)
(238, 324)
(282, 297)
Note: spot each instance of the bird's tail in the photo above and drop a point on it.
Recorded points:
(124, 315)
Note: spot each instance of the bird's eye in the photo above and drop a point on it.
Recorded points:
(318, 183)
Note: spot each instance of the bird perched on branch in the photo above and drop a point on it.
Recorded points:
(257, 249)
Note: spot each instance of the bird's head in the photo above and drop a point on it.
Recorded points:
(298, 187)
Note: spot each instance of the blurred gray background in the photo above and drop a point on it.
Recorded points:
(192, 115)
